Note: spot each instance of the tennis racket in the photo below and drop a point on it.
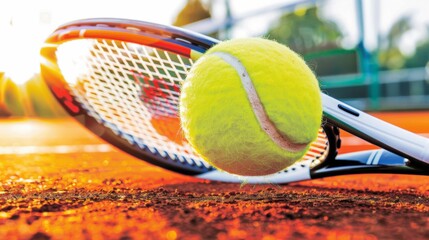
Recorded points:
(121, 80)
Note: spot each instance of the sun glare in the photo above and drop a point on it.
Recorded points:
(72, 58)
(19, 44)
(19, 58)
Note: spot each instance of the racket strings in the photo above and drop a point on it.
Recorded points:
(134, 90)
(109, 75)
(116, 82)
(319, 149)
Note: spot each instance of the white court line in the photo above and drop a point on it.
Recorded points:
(104, 148)
(61, 149)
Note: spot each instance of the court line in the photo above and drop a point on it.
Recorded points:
(60, 149)
(105, 148)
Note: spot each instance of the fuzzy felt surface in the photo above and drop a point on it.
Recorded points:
(219, 121)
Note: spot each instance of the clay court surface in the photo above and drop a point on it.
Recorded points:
(59, 182)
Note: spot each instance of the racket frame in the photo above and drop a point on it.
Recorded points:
(179, 41)
(410, 152)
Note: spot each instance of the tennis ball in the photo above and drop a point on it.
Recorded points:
(250, 107)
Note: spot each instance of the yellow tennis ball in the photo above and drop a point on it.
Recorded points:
(250, 107)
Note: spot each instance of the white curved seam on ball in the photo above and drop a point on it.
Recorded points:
(258, 109)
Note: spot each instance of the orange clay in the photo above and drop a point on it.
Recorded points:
(169, 127)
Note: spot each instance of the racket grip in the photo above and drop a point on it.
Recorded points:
(376, 131)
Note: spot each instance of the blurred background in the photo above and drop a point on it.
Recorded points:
(372, 54)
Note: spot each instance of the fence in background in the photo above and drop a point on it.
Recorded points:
(403, 89)
(363, 86)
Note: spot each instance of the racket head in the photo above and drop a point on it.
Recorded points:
(121, 79)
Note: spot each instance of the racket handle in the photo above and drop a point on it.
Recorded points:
(376, 131)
